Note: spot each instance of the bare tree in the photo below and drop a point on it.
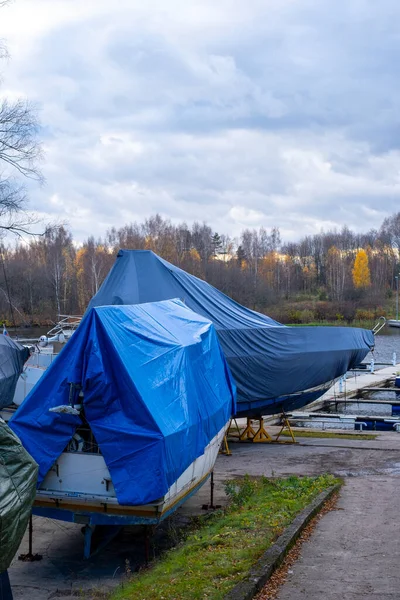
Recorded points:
(20, 153)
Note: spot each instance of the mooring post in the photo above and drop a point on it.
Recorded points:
(394, 359)
(372, 365)
(341, 381)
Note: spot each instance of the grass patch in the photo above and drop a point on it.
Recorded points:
(221, 550)
(331, 434)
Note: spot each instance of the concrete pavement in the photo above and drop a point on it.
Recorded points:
(354, 552)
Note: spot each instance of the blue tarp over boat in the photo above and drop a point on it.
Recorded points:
(275, 368)
(156, 391)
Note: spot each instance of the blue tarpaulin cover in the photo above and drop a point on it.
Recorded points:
(275, 367)
(156, 391)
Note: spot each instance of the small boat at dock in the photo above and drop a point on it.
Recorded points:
(393, 322)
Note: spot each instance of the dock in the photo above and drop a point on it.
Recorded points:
(354, 385)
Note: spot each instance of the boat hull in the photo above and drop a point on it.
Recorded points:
(393, 323)
(79, 489)
(282, 404)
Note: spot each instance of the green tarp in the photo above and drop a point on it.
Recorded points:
(18, 476)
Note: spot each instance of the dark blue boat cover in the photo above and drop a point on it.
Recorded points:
(275, 367)
(156, 391)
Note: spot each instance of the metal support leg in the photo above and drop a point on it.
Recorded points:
(237, 432)
(87, 545)
(211, 506)
(146, 544)
(30, 557)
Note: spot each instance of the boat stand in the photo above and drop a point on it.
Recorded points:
(225, 446)
(235, 434)
(248, 433)
(259, 436)
(286, 425)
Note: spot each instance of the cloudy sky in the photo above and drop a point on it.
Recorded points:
(241, 113)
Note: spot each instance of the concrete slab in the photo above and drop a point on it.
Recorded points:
(354, 551)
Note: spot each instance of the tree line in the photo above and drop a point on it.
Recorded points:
(340, 271)
(334, 273)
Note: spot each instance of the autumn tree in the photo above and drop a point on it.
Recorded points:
(361, 272)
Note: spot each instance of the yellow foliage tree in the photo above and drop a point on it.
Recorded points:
(361, 272)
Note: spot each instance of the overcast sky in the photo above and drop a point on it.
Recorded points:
(241, 113)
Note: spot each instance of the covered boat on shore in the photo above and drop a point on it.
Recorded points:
(12, 359)
(126, 423)
(276, 368)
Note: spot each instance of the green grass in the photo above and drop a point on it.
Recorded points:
(220, 552)
(329, 434)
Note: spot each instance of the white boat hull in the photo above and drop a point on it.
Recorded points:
(80, 484)
(35, 366)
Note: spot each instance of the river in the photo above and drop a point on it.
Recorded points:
(387, 342)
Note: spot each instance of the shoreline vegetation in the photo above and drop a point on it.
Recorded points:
(333, 277)
(43, 323)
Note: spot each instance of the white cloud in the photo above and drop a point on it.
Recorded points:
(242, 114)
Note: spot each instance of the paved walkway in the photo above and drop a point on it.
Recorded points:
(354, 552)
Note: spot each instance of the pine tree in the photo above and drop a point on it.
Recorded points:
(240, 255)
(361, 272)
(216, 243)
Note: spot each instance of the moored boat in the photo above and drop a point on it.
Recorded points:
(393, 322)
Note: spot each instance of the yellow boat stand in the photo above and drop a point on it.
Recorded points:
(258, 436)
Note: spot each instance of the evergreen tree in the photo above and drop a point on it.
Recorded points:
(216, 243)
(240, 255)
